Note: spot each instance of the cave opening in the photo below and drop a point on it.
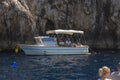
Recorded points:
(49, 25)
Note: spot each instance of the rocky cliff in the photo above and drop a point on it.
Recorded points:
(20, 20)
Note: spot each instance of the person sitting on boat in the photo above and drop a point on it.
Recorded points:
(77, 44)
(61, 43)
(68, 43)
(74, 45)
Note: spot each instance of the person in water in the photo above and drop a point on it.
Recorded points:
(116, 74)
(104, 73)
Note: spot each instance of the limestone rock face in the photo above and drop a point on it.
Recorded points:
(20, 20)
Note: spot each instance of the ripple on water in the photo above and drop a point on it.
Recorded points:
(55, 67)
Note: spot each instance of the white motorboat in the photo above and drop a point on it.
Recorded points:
(48, 45)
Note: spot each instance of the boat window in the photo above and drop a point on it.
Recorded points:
(49, 41)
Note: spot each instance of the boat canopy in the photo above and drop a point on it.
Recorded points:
(60, 31)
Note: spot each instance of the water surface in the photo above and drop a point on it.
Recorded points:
(56, 67)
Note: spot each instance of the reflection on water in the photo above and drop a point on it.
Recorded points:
(56, 67)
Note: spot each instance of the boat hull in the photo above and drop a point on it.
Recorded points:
(42, 50)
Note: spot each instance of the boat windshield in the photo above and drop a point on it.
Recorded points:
(49, 41)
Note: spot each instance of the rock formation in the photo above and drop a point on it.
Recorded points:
(20, 20)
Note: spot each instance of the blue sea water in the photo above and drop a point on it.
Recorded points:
(55, 67)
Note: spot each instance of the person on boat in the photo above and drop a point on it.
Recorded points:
(116, 74)
(76, 45)
(61, 43)
(104, 73)
(68, 42)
